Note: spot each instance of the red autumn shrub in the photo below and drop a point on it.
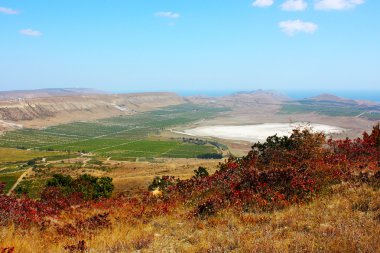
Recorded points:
(282, 171)
(79, 247)
(7, 250)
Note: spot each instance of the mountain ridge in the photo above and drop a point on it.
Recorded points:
(327, 97)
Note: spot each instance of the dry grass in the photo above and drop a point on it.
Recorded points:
(347, 220)
(132, 177)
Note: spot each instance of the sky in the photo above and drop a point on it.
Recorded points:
(194, 45)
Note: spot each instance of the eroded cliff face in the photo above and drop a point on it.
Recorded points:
(39, 112)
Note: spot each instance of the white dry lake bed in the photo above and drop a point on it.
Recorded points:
(258, 132)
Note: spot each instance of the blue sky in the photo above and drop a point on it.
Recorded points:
(141, 45)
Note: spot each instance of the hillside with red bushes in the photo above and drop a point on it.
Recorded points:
(317, 188)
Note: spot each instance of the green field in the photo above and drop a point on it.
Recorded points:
(324, 110)
(9, 179)
(329, 109)
(372, 115)
(152, 149)
(121, 138)
(12, 155)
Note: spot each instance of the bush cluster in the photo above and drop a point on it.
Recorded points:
(61, 192)
(91, 187)
(210, 156)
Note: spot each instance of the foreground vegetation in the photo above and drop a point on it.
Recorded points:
(301, 193)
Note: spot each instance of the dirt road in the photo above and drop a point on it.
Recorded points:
(19, 181)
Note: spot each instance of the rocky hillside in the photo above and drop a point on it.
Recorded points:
(50, 109)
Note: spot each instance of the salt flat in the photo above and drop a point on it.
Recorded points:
(259, 132)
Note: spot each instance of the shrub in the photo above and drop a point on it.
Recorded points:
(201, 172)
(31, 162)
(59, 180)
(210, 156)
(21, 190)
(282, 152)
(282, 171)
(162, 183)
(206, 208)
(7, 250)
(79, 247)
(91, 187)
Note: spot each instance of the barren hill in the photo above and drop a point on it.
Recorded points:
(331, 98)
(335, 99)
(258, 96)
(245, 99)
(50, 109)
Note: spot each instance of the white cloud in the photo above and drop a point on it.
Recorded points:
(291, 27)
(168, 14)
(8, 11)
(294, 5)
(336, 4)
(262, 3)
(30, 32)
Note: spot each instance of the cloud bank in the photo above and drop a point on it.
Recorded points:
(262, 3)
(337, 4)
(294, 5)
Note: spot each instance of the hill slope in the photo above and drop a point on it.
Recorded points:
(302, 193)
(51, 109)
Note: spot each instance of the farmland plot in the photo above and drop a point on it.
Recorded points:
(124, 137)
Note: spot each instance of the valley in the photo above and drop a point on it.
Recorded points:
(152, 130)
(134, 138)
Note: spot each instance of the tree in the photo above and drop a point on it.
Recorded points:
(200, 172)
